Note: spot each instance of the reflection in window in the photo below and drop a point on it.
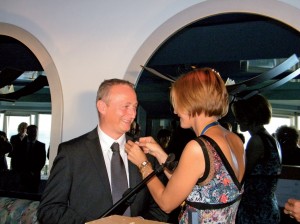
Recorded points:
(1, 121)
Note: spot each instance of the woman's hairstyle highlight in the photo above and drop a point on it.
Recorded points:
(200, 91)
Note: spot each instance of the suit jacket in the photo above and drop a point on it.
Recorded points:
(78, 188)
(15, 139)
(16, 142)
(27, 163)
(28, 160)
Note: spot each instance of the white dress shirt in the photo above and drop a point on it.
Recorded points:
(106, 142)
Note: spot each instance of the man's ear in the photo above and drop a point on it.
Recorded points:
(101, 106)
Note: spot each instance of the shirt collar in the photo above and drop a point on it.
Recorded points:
(106, 141)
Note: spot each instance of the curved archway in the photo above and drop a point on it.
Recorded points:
(285, 14)
(52, 75)
(280, 11)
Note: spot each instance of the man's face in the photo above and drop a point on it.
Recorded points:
(119, 111)
(32, 134)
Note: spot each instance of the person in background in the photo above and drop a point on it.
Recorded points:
(5, 148)
(17, 140)
(179, 138)
(292, 208)
(28, 159)
(22, 132)
(288, 138)
(163, 138)
(80, 187)
(134, 131)
(210, 170)
(263, 167)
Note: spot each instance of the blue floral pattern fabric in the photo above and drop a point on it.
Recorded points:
(222, 187)
(259, 202)
(18, 211)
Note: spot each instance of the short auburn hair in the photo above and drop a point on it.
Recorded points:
(200, 90)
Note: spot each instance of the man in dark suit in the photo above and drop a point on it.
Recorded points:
(22, 133)
(17, 140)
(79, 187)
(27, 160)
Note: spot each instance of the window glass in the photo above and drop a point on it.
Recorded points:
(276, 122)
(44, 125)
(272, 126)
(1, 122)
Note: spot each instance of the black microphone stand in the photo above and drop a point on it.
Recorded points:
(120, 206)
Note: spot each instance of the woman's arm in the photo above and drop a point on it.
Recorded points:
(190, 168)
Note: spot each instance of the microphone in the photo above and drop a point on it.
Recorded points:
(170, 164)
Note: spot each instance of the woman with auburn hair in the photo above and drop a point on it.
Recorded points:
(207, 180)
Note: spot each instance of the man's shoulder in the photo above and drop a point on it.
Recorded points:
(40, 143)
(78, 144)
(13, 137)
(80, 139)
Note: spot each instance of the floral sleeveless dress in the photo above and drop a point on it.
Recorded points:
(216, 196)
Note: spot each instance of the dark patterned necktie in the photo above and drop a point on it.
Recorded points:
(118, 175)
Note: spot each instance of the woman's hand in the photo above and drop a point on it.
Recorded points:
(150, 146)
(134, 153)
(292, 208)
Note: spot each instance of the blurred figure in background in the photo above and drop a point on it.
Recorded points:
(17, 140)
(134, 131)
(179, 138)
(28, 159)
(5, 147)
(288, 138)
(263, 163)
(163, 138)
(292, 208)
(22, 132)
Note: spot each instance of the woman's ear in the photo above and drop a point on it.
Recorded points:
(101, 106)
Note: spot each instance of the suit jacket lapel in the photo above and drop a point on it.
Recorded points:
(133, 171)
(94, 148)
(133, 174)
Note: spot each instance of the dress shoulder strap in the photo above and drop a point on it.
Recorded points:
(209, 168)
